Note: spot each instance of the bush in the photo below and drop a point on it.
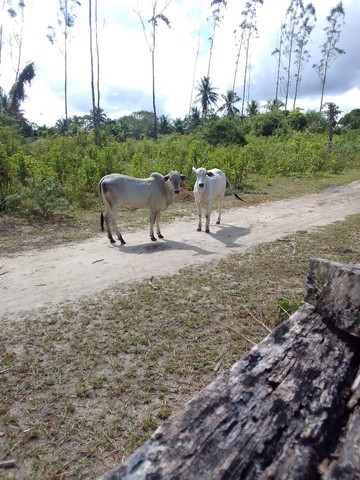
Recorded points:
(40, 197)
(224, 131)
(297, 120)
(269, 123)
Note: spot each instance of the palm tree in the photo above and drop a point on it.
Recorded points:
(228, 106)
(96, 118)
(164, 125)
(192, 120)
(275, 104)
(206, 94)
(179, 125)
(10, 104)
(253, 108)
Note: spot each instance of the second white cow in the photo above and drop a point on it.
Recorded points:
(209, 185)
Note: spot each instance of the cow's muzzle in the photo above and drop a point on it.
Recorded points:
(177, 191)
(201, 185)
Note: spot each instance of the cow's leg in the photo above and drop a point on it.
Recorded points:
(159, 234)
(221, 201)
(207, 217)
(152, 222)
(200, 215)
(116, 228)
(108, 223)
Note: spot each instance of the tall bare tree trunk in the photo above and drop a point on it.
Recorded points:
(216, 19)
(1, 33)
(238, 59)
(288, 70)
(153, 81)
(66, 76)
(211, 48)
(323, 81)
(20, 41)
(330, 123)
(97, 60)
(194, 74)
(329, 49)
(152, 46)
(247, 49)
(92, 74)
(279, 51)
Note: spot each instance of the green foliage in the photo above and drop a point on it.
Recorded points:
(297, 120)
(223, 131)
(351, 120)
(41, 197)
(6, 121)
(10, 143)
(316, 121)
(51, 173)
(269, 123)
(6, 174)
(284, 308)
(298, 155)
(139, 124)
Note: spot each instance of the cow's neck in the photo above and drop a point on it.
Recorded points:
(169, 193)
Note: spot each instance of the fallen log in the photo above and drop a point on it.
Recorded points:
(289, 409)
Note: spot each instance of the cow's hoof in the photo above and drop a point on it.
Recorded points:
(123, 242)
(218, 222)
(207, 231)
(153, 239)
(112, 240)
(199, 229)
(160, 236)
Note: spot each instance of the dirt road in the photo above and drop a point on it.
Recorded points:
(43, 278)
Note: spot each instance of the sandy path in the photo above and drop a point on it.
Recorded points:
(43, 278)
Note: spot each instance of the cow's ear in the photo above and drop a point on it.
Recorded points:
(166, 178)
(183, 177)
(210, 174)
(194, 170)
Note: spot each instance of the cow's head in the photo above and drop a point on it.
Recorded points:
(175, 178)
(201, 174)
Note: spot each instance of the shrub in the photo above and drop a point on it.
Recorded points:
(40, 197)
(269, 123)
(224, 131)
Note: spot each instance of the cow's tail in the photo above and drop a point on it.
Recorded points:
(232, 190)
(238, 197)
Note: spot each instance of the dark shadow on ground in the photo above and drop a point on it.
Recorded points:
(160, 246)
(228, 234)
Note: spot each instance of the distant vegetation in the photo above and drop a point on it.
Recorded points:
(45, 170)
(52, 171)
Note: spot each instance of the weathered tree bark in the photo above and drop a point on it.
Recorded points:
(334, 290)
(283, 410)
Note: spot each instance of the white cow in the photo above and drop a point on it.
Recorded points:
(210, 184)
(121, 191)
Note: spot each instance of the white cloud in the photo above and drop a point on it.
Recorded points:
(125, 61)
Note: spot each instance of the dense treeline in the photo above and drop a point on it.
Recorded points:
(55, 172)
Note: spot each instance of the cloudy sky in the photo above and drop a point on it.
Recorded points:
(125, 60)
